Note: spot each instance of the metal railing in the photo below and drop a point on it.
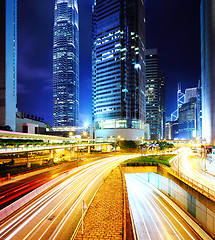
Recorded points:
(206, 191)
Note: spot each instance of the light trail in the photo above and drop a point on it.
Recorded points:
(154, 218)
(62, 202)
(186, 164)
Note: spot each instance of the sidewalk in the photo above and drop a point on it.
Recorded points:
(104, 218)
(210, 166)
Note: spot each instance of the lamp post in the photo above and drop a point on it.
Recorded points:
(178, 163)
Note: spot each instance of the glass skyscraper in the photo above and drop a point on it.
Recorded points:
(66, 64)
(155, 95)
(118, 66)
(208, 69)
(8, 63)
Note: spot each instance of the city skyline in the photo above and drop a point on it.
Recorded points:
(171, 39)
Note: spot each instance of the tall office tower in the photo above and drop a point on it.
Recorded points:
(8, 62)
(199, 110)
(189, 93)
(162, 97)
(118, 68)
(66, 64)
(187, 119)
(155, 95)
(208, 69)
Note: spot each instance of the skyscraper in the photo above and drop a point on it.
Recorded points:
(187, 119)
(155, 95)
(208, 69)
(118, 68)
(8, 62)
(199, 110)
(66, 64)
(190, 93)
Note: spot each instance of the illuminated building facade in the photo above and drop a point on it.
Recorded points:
(155, 95)
(208, 69)
(118, 67)
(187, 119)
(66, 64)
(8, 63)
(199, 111)
(190, 93)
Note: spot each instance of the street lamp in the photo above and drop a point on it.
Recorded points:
(178, 162)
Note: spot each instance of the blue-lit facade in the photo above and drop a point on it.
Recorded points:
(199, 111)
(66, 64)
(8, 63)
(118, 64)
(208, 69)
(187, 119)
(155, 95)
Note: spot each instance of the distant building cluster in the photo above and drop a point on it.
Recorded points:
(186, 121)
(128, 86)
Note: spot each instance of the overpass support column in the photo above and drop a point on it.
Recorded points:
(104, 148)
(51, 154)
(88, 149)
(108, 148)
(72, 153)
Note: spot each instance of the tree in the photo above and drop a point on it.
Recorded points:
(127, 145)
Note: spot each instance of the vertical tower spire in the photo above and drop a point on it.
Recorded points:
(66, 64)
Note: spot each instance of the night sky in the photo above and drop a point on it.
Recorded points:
(173, 26)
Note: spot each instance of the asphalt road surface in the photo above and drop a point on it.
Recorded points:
(188, 165)
(16, 189)
(56, 213)
(154, 218)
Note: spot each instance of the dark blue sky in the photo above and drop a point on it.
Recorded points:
(172, 26)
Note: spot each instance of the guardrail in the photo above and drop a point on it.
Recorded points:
(5, 212)
(45, 147)
(206, 191)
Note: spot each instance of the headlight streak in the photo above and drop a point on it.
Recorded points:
(36, 205)
(60, 226)
(156, 206)
(133, 211)
(133, 183)
(192, 173)
(160, 193)
(49, 195)
(40, 204)
(20, 220)
(149, 193)
(58, 206)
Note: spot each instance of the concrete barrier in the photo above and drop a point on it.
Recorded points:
(22, 201)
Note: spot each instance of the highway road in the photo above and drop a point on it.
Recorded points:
(154, 218)
(188, 165)
(21, 185)
(56, 213)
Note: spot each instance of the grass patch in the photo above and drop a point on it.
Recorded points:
(151, 160)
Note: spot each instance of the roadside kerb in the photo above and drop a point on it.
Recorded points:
(184, 215)
(22, 201)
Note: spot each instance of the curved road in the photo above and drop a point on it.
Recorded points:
(13, 190)
(188, 165)
(56, 213)
(154, 218)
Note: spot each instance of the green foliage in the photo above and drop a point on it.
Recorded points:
(152, 160)
(127, 145)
